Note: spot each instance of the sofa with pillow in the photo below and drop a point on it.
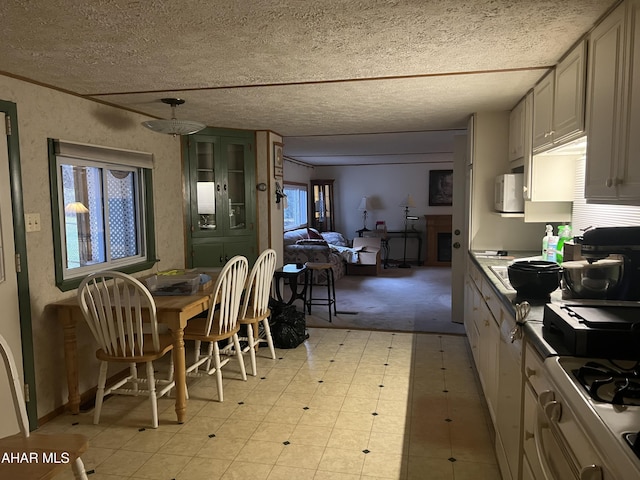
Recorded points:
(308, 245)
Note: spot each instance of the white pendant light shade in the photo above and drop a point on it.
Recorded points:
(173, 126)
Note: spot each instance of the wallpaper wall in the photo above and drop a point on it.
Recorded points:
(45, 113)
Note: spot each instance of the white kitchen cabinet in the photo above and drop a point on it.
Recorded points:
(471, 298)
(558, 102)
(613, 160)
(543, 113)
(628, 171)
(509, 408)
(569, 95)
(535, 383)
(517, 132)
(499, 365)
(485, 335)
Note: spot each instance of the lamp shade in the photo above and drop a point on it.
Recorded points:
(408, 202)
(365, 204)
(75, 207)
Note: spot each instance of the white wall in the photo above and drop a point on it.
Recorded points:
(45, 113)
(386, 185)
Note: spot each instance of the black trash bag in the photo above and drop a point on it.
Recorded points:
(288, 325)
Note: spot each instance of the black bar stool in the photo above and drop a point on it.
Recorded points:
(331, 287)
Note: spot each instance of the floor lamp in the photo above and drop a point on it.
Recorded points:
(407, 203)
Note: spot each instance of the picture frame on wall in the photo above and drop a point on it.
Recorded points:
(440, 188)
(278, 161)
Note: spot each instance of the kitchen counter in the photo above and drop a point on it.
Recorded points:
(533, 329)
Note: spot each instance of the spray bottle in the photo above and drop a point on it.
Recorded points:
(545, 241)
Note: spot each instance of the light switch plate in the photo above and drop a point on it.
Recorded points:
(32, 222)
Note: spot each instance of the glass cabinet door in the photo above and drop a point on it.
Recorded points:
(236, 185)
(205, 190)
(238, 197)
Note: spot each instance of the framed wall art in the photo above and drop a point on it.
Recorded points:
(278, 162)
(440, 187)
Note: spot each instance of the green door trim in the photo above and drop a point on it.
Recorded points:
(19, 234)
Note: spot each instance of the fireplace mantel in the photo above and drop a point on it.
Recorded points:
(438, 251)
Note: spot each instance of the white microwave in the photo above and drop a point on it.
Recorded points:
(509, 197)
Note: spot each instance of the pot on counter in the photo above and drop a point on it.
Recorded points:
(598, 280)
(534, 278)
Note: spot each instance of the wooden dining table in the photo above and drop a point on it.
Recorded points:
(173, 311)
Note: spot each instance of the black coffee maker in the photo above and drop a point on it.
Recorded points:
(599, 243)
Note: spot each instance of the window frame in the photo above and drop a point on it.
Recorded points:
(146, 226)
(299, 186)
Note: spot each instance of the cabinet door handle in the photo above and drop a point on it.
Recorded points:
(608, 183)
(217, 186)
(529, 372)
(456, 245)
(221, 259)
(225, 187)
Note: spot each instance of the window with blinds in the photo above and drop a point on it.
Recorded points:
(103, 206)
(586, 215)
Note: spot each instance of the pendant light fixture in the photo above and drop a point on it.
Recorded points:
(174, 126)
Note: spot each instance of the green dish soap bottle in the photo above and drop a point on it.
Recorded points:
(564, 235)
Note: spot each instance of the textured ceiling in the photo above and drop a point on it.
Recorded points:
(297, 67)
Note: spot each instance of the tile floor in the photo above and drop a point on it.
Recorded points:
(346, 405)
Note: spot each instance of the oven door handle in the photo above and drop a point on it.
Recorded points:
(540, 423)
(591, 472)
(549, 412)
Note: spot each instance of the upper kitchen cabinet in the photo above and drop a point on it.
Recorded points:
(543, 112)
(558, 102)
(219, 173)
(613, 109)
(517, 132)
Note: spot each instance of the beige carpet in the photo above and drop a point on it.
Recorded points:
(416, 299)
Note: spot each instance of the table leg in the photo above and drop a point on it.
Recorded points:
(179, 373)
(70, 358)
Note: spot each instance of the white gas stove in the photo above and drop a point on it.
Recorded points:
(595, 405)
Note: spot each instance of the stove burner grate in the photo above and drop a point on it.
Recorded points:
(610, 385)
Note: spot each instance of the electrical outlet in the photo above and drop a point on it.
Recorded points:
(32, 222)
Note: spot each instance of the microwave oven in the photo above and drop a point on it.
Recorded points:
(509, 197)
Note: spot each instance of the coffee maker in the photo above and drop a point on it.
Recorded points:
(600, 243)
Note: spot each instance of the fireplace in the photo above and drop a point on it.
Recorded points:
(438, 251)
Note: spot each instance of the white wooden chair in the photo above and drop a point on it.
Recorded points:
(220, 324)
(48, 454)
(115, 306)
(255, 307)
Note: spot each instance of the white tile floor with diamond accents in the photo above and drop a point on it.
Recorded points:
(345, 405)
